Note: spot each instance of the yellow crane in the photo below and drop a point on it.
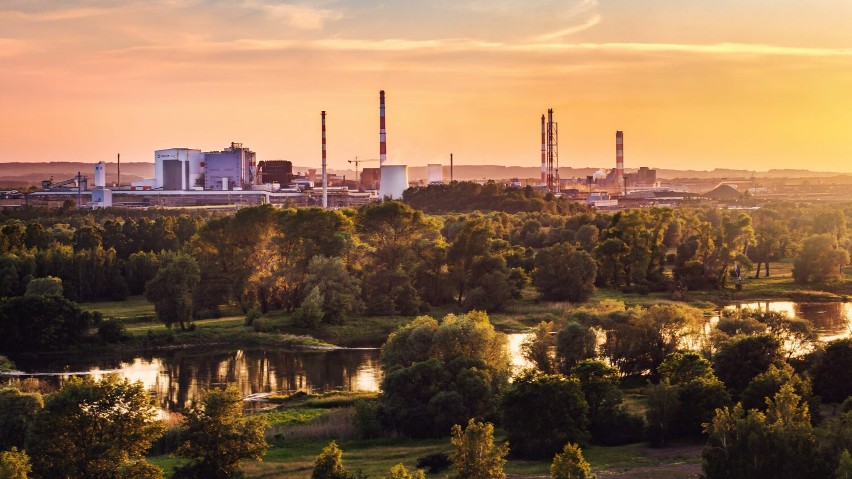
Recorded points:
(357, 161)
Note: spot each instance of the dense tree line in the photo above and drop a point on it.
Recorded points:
(390, 258)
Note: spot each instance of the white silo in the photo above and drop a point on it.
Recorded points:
(100, 174)
(434, 174)
(394, 181)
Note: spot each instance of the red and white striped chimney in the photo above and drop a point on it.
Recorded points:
(324, 174)
(543, 161)
(383, 144)
(619, 156)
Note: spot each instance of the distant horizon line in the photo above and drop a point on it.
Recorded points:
(533, 167)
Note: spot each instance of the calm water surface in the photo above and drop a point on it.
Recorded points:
(177, 377)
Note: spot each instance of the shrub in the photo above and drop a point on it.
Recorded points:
(251, 316)
(112, 331)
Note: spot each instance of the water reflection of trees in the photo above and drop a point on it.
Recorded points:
(186, 374)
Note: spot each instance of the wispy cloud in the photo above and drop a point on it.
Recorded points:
(54, 15)
(591, 22)
(709, 49)
(303, 17)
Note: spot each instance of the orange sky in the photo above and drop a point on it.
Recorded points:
(694, 84)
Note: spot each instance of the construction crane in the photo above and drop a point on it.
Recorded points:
(358, 161)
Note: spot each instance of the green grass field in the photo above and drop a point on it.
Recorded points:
(294, 460)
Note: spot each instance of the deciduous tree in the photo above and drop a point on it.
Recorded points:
(218, 438)
(93, 429)
(474, 454)
(570, 464)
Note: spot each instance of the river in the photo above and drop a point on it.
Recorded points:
(176, 377)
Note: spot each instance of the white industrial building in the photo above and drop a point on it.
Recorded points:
(178, 168)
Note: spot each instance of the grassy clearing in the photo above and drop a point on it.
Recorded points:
(134, 308)
(293, 416)
(293, 459)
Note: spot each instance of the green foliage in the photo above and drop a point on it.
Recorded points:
(17, 413)
(844, 468)
(574, 343)
(14, 464)
(400, 241)
(755, 445)
(39, 323)
(218, 438)
(329, 463)
(310, 313)
(439, 374)
(479, 274)
(682, 367)
(639, 339)
(542, 412)
(742, 358)
(341, 292)
(141, 268)
(93, 429)
(768, 383)
(399, 471)
(6, 364)
(112, 331)
(663, 404)
(538, 348)
(564, 274)
(367, 422)
(570, 464)
(466, 196)
(820, 260)
(251, 316)
(609, 422)
(49, 286)
(172, 289)
(697, 394)
(832, 371)
(474, 454)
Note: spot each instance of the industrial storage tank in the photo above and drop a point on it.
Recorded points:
(100, 174)
(394, 181)
(434, 174)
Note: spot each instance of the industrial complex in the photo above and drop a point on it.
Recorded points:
(187, 177)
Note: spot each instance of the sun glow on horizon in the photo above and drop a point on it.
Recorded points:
(697, 85)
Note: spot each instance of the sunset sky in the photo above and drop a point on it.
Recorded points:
(694, 84)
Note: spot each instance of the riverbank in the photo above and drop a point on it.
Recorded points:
(277, 329)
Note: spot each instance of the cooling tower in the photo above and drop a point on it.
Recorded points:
(434, 173)
(394, 181)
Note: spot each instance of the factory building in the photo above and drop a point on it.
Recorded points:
(178, 168)
(229, 169)
(276, 171)
(370, 178)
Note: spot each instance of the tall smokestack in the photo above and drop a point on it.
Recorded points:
(619, 157)
(324, 174)
(543, 160)
(383, 142)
